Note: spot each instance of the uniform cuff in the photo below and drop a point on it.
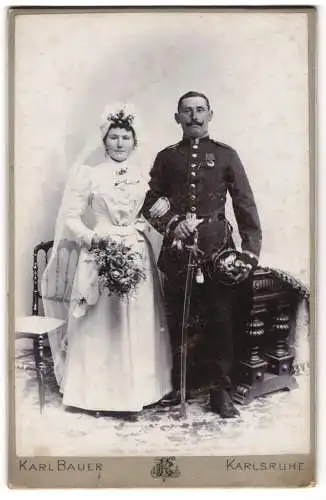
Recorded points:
(167, 201)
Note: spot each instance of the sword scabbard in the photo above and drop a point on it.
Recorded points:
(184, 334)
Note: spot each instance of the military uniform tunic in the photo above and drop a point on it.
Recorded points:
(195, 176)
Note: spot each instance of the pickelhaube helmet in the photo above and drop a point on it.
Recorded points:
(228, 268)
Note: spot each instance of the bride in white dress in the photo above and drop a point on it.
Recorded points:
(113, 355)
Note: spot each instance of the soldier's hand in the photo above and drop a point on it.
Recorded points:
(160, 208)
(183, 230)
(249, 260)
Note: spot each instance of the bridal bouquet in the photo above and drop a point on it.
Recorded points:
(119, 267)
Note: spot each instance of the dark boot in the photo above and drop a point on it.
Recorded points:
(173, 398)
(221, 402)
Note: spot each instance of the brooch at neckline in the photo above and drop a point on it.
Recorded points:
(122, 170)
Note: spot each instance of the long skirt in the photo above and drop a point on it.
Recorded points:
(119, 356)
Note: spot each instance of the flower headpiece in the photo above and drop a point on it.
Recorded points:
(120, 118)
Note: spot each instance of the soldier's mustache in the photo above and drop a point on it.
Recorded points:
(194, 122)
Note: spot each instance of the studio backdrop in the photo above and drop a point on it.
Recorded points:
(253, 68)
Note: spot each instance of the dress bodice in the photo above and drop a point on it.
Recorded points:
(114, 193)
(116, 196)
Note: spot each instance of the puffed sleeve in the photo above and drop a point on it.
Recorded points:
(244, 207)
(79, 197)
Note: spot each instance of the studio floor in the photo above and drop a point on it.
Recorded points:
(278, 423)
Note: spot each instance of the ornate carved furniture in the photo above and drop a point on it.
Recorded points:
(267, 363)
(268, 366)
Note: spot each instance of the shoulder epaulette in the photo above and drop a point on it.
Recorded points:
(226, 146)
(172, 146)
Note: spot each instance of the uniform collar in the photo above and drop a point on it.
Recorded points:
(189, 140)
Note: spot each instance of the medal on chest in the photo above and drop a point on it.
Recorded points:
(210, 160)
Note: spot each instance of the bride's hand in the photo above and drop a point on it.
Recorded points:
(160, 208)
(95, 240)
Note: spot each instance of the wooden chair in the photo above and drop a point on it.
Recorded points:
(37, 326)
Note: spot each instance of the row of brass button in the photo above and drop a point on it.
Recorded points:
(193, 174)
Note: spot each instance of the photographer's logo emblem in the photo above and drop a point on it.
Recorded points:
(165, 468)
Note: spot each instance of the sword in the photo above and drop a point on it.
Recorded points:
(185, 319)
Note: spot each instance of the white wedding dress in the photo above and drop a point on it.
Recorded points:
(118, 356)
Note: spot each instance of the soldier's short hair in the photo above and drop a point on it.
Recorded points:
(193, 93)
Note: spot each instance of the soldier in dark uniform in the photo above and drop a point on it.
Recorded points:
(188, 188)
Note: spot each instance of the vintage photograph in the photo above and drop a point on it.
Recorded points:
(162, 169)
